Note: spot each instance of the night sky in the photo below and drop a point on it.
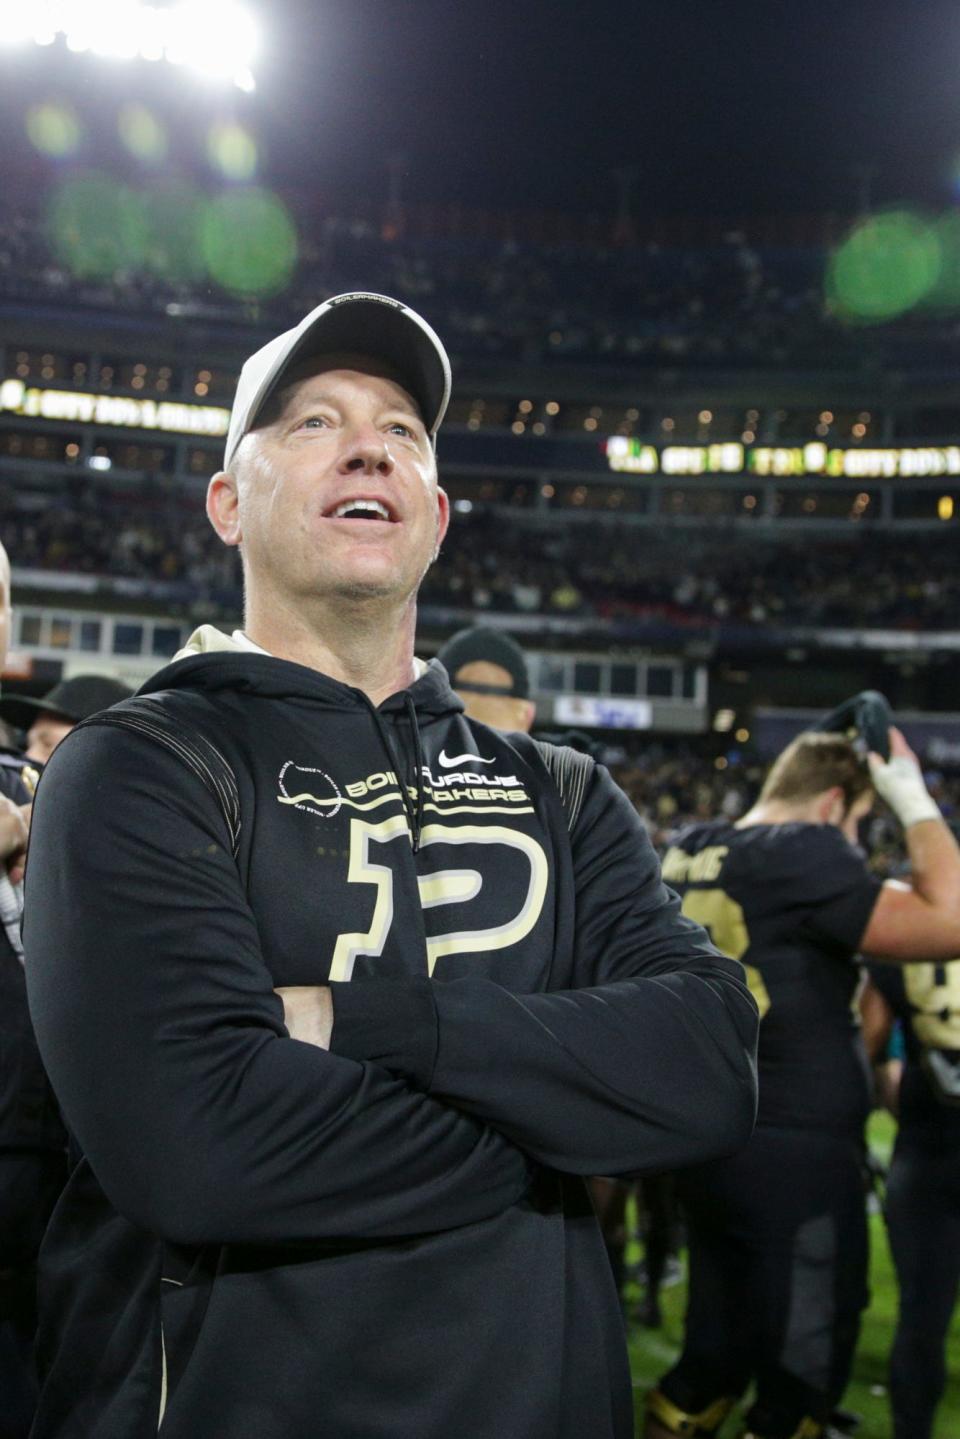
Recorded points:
(731, 107)
(723, 105)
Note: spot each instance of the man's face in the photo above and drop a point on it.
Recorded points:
(502, 712)
(336, 494)
(45, 734)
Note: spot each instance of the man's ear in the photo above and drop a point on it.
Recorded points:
(223, 507)
(443, 518)
(830, 806)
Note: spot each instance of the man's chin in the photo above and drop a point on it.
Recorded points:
(372, 590)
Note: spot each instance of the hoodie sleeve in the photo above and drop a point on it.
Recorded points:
(647, 1063)
(157, 1022)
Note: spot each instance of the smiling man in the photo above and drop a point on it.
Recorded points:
(357, 988)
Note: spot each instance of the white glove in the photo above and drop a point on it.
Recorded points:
(900, 783)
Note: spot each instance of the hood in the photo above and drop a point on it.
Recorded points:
(212, 660)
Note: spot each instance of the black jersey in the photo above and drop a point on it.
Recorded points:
(791, 902)
(926, 998)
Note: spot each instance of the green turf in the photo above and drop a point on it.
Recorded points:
(651, 1352)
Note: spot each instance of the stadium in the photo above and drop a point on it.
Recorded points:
(703, 457)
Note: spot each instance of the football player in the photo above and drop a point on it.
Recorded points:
(777, 1233)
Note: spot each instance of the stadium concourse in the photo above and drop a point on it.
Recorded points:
(778, 533)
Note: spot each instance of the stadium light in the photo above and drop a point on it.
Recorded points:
(217, 39)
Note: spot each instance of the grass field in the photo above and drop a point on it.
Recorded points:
(651, 1352)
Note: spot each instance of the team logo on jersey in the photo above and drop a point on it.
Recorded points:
(309, 789)
(451, 761)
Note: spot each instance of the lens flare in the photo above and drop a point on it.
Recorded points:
(173, 212)
(97, 228)
(887, 264)
(232, 151)
(249, 241)
(142, 134)
(53, 129)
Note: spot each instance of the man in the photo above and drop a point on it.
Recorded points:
(489, 672)
(778, 1241)
(922, 1206)
(49, 719)
(350, 1208)
(32, 1141)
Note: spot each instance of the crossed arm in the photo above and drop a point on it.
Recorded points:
(646, 1064)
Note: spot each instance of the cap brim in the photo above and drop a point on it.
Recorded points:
(21, 710)
(357, 324)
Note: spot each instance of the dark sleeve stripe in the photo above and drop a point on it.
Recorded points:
(569, 770)
(144, 716)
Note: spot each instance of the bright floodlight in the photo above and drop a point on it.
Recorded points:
(216, 38)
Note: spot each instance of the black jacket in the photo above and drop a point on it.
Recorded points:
(269, 1241)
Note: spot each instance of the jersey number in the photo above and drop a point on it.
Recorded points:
(447, 886)
(723, 920)
(934, 994)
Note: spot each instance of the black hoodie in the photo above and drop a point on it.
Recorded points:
(265, 1240)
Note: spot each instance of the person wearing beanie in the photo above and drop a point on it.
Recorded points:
(489, 672)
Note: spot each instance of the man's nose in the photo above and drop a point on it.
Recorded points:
(367, 452)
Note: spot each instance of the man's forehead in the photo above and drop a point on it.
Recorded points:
(484, 672)
(309, 373)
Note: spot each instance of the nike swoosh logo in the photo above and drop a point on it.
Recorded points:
(449, 762)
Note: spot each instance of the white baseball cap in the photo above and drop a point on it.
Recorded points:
(360, 324)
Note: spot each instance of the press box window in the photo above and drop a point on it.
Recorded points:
(586, 677)
(166, 640)
(30, 630)
(127, 639)
(90, 635)
(623, 680)
(61, 632)
(660, 681)
(553, 675)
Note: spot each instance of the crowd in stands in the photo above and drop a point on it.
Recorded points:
(151, 536)
(624, 572)
(729, 302)
(585, 571)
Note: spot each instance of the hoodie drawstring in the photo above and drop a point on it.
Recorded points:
(413, 810)
(411, 710)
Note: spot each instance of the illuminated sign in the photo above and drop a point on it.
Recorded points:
(628, 456)
(170, 416)
(601, 713)
(912, 462)
(631, 457)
